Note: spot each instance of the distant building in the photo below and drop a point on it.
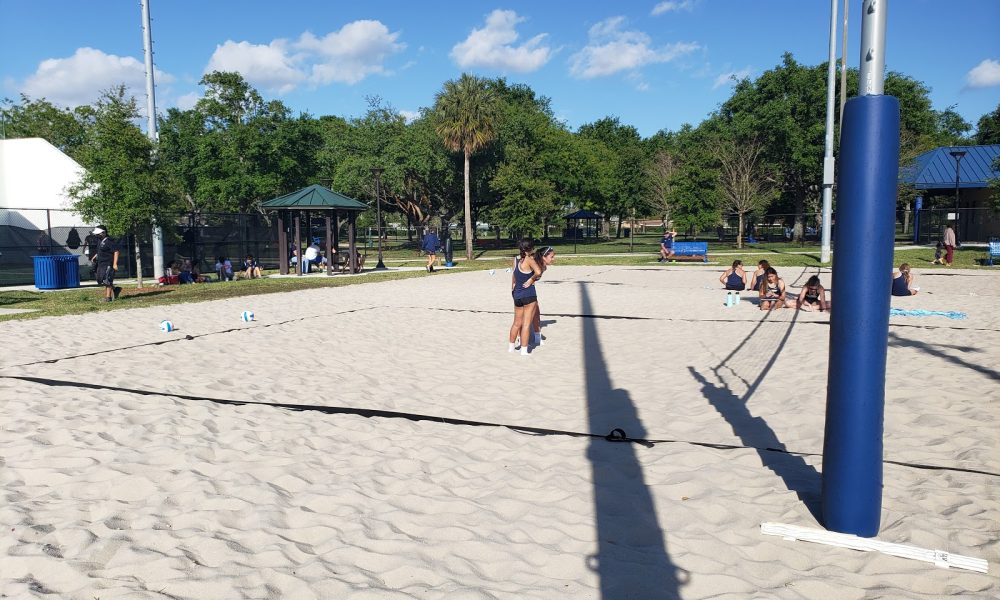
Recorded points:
(934, 174)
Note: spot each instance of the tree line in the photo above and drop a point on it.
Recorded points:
(487, 150)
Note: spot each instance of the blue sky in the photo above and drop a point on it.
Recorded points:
(654, 64)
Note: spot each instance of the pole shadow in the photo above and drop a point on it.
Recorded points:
(933, 349)
(631, 559)
(797, 475)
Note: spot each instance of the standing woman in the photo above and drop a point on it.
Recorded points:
(522, 284)
(949, 245)
(543, 258)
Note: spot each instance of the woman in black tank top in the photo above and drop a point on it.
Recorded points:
(522, 289)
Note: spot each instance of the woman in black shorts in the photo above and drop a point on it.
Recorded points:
(522, 284)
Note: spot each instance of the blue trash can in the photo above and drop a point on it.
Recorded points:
(57, 272)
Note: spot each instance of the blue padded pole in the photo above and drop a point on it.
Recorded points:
(859, 325)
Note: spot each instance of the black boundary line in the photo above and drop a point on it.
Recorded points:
(616, 435)
(187, 337)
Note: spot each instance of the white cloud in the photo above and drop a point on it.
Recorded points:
(492, 46)
(81, 78)
(358, 50)
(267, 66)
(985, 74)
(731, 77)
(671, 5)
(612, 49)
(187, 101)
(409, 115)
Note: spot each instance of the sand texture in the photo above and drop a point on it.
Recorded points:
(122, 479)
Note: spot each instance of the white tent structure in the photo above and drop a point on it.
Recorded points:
(36, 215)
(34, 176)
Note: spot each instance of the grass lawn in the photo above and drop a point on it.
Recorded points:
(85, 300)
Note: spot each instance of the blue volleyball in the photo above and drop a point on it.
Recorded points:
(166, 326)
(246, 316)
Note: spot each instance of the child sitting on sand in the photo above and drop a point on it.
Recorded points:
(758, 275)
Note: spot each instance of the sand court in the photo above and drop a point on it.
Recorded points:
(123, 479)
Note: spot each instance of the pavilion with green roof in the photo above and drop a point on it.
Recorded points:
(301, 205)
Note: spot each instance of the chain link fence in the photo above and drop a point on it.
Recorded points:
(203, 237)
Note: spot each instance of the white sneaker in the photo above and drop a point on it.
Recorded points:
(511, 346)
(524, 351)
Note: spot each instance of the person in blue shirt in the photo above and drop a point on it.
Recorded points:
(430, 245)
(667, 245)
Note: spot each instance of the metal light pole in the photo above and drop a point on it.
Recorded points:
(828, 163)
(957, 155)
(377, 173)
(147, 39)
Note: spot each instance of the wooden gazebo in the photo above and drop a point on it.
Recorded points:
(301, 205)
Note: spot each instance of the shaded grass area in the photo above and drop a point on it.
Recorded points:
(71, 302)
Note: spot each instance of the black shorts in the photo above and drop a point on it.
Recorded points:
(105, 275)
(519, 302)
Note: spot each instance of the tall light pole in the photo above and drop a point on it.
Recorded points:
(377, 173)
(957, 155)
(828, 164)
(147, 39)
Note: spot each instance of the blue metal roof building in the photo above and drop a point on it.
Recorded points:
(935, 169)
(935, 174)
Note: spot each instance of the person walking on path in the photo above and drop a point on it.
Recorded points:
(106, 257)
(430, 245)
(949, 245)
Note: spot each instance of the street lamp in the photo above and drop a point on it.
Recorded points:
(377, 173)
(957, 154)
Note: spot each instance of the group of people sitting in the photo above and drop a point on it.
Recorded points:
(312, 257)
(187, 271)
(773, 294)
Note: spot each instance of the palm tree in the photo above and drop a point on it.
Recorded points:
(466, 112)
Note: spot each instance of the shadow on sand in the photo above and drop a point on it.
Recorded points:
(797, 475)
(631, 559)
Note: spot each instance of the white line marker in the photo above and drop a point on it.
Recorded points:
(939, 558)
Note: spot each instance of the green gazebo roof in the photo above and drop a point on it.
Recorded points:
(314, 197)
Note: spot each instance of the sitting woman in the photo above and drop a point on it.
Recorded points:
(902, 282)
(813, 296)
(251, 268)
(734, 278)
(758, 275)
(772, 290)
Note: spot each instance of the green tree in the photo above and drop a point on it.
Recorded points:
(988, 128)
(235, 149)
(122, 187)
(465, 112)
(629, 167)
(63, 128)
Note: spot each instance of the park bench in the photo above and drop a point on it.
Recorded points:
(994, 251)
(695, 249)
